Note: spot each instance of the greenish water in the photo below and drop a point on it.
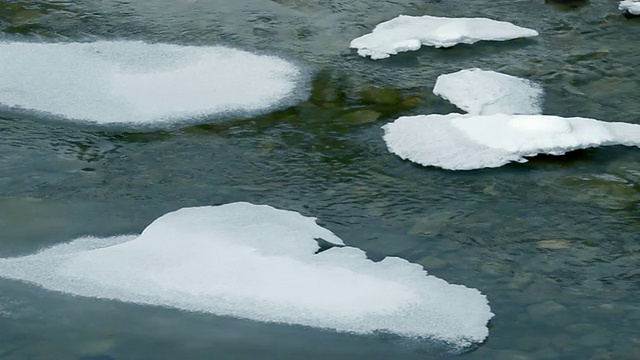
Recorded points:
(553, 243)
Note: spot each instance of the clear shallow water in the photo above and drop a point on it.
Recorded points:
(553, 243)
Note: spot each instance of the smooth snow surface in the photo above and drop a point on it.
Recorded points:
(257, 262)
(631, 6)
(466, 142)
(480, 92)
(409, 33)
(110, 82)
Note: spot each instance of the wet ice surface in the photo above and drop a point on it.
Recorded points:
(467, 142)
(631, 6)
(116, 82)
(480, 92)
(263, 264)
(409, 33)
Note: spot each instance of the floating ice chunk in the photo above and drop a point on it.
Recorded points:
(480, 92)
(257, 262)
(110, 82)
(630, 6)
(466, 142)
(407, 33)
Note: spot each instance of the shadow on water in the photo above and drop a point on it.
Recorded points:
(567, 5)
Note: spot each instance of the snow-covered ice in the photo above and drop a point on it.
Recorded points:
(110, 82)
(630, 6)
(466, 142)
(481, 92)
(409, 33)
(260, 263)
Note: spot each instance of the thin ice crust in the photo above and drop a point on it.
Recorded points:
(480, 92)
(132, 82)
(467, 142)
(260, 263)
(630, 6)
(409, 33)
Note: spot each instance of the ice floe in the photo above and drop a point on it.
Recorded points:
(260, 263)
(466, 142)
(110, 82)
(409, 33)
(481, 92)
(630, 6)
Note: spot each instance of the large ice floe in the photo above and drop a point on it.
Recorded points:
(261, 263)
(409, 33)
(466, 142)
(481, 92)
(110, 82)
(630, 6)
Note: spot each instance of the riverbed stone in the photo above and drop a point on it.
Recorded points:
(512, 355)
(544, 309)
(495, 268)
(546, 353)
(360, 117)
(432, 262)
(519, 280)
(434, 223)
(554, 244)
(95, 348)
(381, 96)
(598, 338)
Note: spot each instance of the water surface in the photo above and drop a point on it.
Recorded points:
(553, 243)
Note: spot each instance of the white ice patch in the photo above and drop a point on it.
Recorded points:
(257, 262)
(408, 33)
(466, 142)
(481, 92)
(111, 82)
(630, 6)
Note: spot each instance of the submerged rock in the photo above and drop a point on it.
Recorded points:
(554, 244)
(359, 117)
(381, 96)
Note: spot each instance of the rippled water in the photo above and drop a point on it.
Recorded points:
(553, 243)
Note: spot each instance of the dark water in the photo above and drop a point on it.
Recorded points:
(553, 243)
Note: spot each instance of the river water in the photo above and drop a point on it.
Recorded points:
(553, 243)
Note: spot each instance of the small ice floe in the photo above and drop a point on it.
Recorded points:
(260, 263)
(480, 92)
(630, 6)
(409, 33)
(466, 142)
(108, 82)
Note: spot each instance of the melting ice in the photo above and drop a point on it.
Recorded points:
(409, 33)
(110, 82)
(630, 6)
(466, 142)
(481, 92)
(258, 262)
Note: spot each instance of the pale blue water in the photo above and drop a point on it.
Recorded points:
(553, 243)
